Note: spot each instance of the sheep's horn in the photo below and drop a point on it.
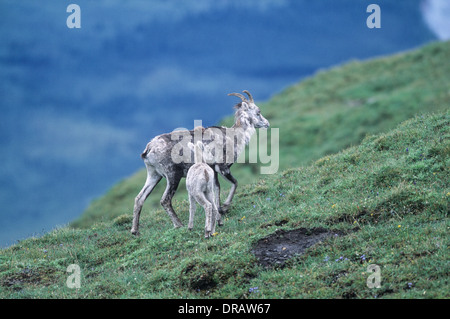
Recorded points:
(239, 96)
(249, 95)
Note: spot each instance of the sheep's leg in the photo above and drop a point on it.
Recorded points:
(226, 205)
(153, 179)
(192, 208)
(166, 201)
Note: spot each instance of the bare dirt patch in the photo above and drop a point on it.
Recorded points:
(274, 250)
(28, 276)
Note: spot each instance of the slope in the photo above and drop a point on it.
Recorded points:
(383, 202)
(322, 115)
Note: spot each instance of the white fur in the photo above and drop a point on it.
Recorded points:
(200, 186)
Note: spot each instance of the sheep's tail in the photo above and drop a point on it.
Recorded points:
(145, 152)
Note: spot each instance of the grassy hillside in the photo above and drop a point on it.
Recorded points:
(322, 115)
(383, 202)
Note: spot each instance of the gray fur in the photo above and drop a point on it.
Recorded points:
(158, 159)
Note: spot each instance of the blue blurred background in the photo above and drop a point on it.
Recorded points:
(79, 105)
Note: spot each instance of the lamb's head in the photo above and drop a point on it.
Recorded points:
(249, 111)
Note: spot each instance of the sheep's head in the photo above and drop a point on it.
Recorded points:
(250, 111)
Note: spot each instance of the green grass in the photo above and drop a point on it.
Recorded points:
(346, 165)
(322, 115)
(389, 196)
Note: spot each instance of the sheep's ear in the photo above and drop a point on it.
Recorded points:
(244, 106)
(191, 146)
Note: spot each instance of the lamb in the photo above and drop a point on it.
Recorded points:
(201, 188)
(159, 161)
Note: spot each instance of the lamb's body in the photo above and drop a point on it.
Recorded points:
(201, 189)
(159, 161)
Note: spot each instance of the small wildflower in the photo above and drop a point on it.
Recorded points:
(215, 234)
(399, 226)
(45, 251)
(253, 289)
(334, 205)
(407, 150)
(268, 198)
(254, 206)
(326, 258)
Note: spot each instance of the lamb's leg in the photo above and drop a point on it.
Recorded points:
(208, 219)
(217, 199)
(166, 200)
(153, 179)
(207, 206)
(192, 208)
(215, 216)
(226, 205)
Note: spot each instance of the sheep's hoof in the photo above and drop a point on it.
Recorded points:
(177, 224)
(135, 232)
(224, 209)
